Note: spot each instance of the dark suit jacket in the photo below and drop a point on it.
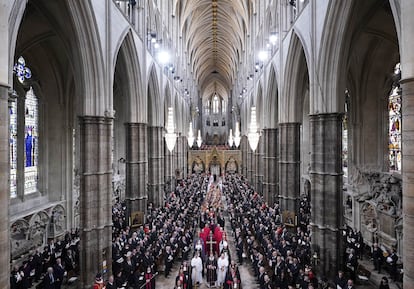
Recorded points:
(110, 286)
(47, 282)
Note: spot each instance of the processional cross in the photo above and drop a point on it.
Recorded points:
(211, 242)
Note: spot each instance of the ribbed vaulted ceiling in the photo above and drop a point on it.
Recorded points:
(214, 32)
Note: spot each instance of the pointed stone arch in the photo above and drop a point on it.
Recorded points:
(260, 106)
(272, 100)
(296, 80)
(128, 66)
(153, 98)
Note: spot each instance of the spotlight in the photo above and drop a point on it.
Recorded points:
(163, 57)
(273, 38)
(262, 55)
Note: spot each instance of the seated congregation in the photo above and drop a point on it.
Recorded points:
(210, 228)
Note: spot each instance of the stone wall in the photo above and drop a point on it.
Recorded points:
(373, 205)
(31, 232)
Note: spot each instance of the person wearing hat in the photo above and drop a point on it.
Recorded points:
(99, 284)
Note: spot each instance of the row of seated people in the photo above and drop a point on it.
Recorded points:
(280, 255)
(56, 264)
(166, 235)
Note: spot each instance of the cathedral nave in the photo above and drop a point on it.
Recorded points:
(283, 127)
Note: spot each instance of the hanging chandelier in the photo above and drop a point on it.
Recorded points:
(231, 140)
(190, 137)
(170, 136)
(199, 140)
(253, 134)
(237, 137)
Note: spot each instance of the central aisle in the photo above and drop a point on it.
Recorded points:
(248, 279)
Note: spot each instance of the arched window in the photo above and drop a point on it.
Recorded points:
(223, 106)
(394, 121)
(31, 145)
(215, 104)
(26, 121)
(13, 149)
(345, 134)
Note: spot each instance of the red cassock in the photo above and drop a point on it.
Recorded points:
(204, 235)
(150, 282)
(183, 280)
(218, 235)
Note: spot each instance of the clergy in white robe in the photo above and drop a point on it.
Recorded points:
(222, 265)
(197, 269)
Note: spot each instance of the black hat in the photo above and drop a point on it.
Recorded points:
(98, 278)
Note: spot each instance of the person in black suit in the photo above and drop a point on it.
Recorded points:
(60, 273)
(352, 263)
(239, 250)
(50, 279)
(15, 278)
(168, 260)
(111, 283)
(340, 280)
(392, 261)
(377, 256)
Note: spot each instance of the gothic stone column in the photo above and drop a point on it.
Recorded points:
(407, 85)
(270, 183)
(326, 190)
(259, 169)
(185, 157)
(250, 165)
(289, 165)
(408, 180)
(179, 154)
(95, 196)
(136, 167)
(155, 165)
(4, 188)
(244, 146)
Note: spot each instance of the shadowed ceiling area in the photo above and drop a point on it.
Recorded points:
(214, 34)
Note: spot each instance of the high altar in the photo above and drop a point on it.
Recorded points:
(215, 160)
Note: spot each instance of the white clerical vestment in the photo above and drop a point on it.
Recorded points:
(197, 265)
(222, 265)
(223, 244)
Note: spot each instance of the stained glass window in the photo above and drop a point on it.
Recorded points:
(21, 70)
(31, 144)
(13, 149)
(345, 135)
(394, 122)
